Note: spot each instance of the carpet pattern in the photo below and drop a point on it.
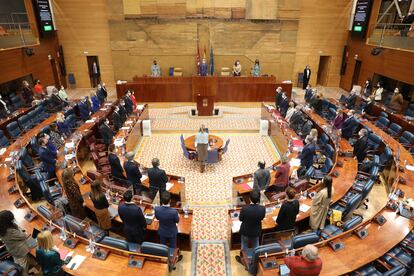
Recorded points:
(211, 258)
(210, 224)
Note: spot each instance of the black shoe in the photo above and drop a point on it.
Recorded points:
(238, 259)
(179, 258)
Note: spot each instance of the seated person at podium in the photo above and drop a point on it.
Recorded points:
(287, 215)
(203, 68)
(155, 69)
(282, 175)
(201, 141)
(256, 69)
(237, 68)
(261, 177)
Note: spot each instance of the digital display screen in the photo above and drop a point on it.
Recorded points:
(361, 18)
(44, 15)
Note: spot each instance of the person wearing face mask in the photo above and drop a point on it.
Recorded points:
(256, 69)
(308, 93)
(116, 119)
(62, 93)
(367, 91)
(122, 111)
(306, 76)
(237, 68)
(104, 91)
(349, 125)
(155, 69)
(48, 157)
(4, 111)
(106, 132)
(367, 108)
(361, 145)
(284, 104)
(84, 109)
(129, 106)
(27, 92)
(378, 92)
(397, 101)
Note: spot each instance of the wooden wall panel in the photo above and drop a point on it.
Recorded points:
(261, 9)
(83, 27)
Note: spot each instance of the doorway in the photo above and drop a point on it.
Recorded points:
(355, 75)
(323, 70)
(94, 71)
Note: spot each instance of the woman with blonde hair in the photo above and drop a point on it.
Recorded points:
(101, 205)
(73, 194)
(47, 255)
(62, 125)
(313, 135)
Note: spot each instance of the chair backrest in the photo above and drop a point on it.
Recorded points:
(395, 128)
(388, 100)
(324, 139)
(156, 249)
(374, 171)
(14, 130)
(327, 166)
(367, 188)
(114, 242)
(25, 157)
(260, 251)
(212, 156)
(386, 156)
(24, 122)
(397, 270)
(10, 268)
(304, 239)
(374, 141)
(225, 148)
(382, 122)
(331, 113)
(384, 114)
(352, 223)
(4, 142)
(351, 205)
(185, 151)
(44, 211)
(329, 151)
(407, 138)
(74, 225)
(34, 145)
(21, 170)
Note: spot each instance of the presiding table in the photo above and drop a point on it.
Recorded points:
(215, 142)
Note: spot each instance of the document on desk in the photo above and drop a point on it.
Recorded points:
(168, 186)
(304, 208)
(144, 177)
(70, 145)
(89, 121)
(295, 162)
(2, 151)
(250, 183)
(125, 128)
(235, 228)
(76, 262)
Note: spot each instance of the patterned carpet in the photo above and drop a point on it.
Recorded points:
(177, 118)
(210, 258)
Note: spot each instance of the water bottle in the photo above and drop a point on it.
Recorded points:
(186, 212)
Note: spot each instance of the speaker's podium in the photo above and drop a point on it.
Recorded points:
(205, 105)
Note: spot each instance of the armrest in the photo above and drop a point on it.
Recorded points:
(396, 259)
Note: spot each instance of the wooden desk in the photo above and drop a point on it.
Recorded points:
(183, 89)
(115, 264)
(13, 117)
(190, 142)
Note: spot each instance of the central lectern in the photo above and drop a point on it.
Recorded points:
(205, 105)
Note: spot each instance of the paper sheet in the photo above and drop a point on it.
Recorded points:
(250, 183)
(2, 151)
(69, 156)
(70, 145)
(125, 128)
(168, 186)
(304, 208)
(103, 109)
(235, 228)
(77, 260)
(128, 122)
(144, 177)
(295, 162)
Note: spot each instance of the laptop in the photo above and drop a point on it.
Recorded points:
(31, 241)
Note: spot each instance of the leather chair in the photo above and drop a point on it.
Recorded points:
(4, 142)
(51, 189)
(226, 146)
(386, 158)
(382, 123)
(71, 121)
(318, 174)
(323, 141)
(347, 207)
(398, 256)
(364, 190)
(187, 154)
(114, 242)
(25, 123)
(45, 212)
(10, 268)
(304, 239)
(374, 142)
(29, 180)
(250, 258)
(409, 111)
(331, 230)
(14, 130)
(328, 151)
(32, 115)
(16, 102)
(407, 139)
(331, 115)
(371, 270)
(75, 225)
(27, 160)
(161, 250)
(34, 146)
(394, 130)
(325, 107)
(212, 156)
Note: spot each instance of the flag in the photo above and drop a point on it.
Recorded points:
(211, 62)
(204, 54)
(198, 61)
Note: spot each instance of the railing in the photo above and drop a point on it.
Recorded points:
(14, 34)
(400, 36)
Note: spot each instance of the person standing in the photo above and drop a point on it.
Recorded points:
(134, 101)
(251, 217)
(320, 205)
(397, 101)
(101, 206)
(307, 154)
(201, 142)
(306, 76)
(73, 193)
(48, 157)
(378, 92)
(367, 90)
(237, 68)
(157, 178)
(84, 109)
(168, 219)
(155, 69)
(283, 105)
(129, 105)
(96, 74)
(308, 93)
(308, 264)
(38, 91)
(282, 175)
(261, 177)
(106, 132)
(133, 219)
(133, 173)
(96, 104)
(47, 255)
(116, 169)
(256, 69)
(116, 119)
(14, 239)
(339, 119)
(278, 97)
(360, 146)
(203, 68)
(27, 93)
(62, 93)
(286, 217)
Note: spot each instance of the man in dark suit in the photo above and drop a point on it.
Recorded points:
(116, 119)
(351, 100)
(349, 125)
(133, 219)
(251, 217)
(278, 97)
(157, 178)
(283, 105)
(100, 93)
(48, 157)
(116, 168)
(296, 121)
(84, 109)
(168, 219)
(308, 93)
(122, 111)
(316, 102)
(106, 132)
(361, 145)
(261, 177)
(133, 173)
(129, 106)
(306, 76)
(307, 155)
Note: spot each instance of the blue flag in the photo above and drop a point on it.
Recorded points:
(211, 62)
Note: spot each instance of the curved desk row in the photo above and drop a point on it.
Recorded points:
(380, 239)
(115, 264)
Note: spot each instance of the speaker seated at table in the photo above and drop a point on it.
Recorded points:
(205, 105)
